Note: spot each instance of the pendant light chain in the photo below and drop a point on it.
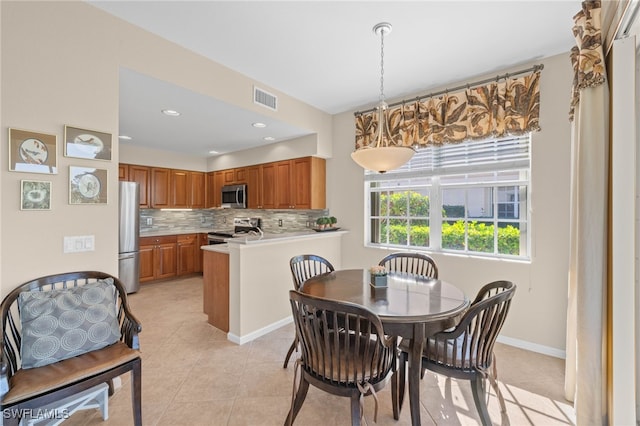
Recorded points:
(382, 31)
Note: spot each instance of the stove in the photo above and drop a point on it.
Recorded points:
(241, 227)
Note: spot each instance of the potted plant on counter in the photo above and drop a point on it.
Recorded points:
(322, 222)
(332, 221)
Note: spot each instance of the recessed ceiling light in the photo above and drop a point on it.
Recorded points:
(124, 137)
(213, 152)
(259, 125)
(171, 112)
(269, 138)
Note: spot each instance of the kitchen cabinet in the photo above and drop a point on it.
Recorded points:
(139, 174)
(216, 289)
(187, 189)
(261, 186)
(300, 183)
(123, 172)
(235, 176)
(160, 188)
(158, 257)
(187, 254)
(215, 181)
(202, 241)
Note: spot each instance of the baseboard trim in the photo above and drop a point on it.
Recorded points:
(241, 340)
(533, 347)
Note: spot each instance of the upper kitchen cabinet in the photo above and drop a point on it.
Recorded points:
(215, 181)
(160, 188)
(261, 186)
(139, 174)
(235, 176)
(300, 183)
(187, 189)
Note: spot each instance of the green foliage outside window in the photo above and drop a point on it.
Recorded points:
(480, 234)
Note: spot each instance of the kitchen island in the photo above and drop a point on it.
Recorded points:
(258, 279)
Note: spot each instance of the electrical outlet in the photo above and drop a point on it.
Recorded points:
(149, 221)
(280, 223)
(308, 224)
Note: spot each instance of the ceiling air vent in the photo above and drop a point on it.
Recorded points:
(265, 99)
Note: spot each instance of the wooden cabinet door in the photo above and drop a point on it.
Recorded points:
(300, 185)
(180, 189)
(147, 262)
(268, 185)
(202, 240)
(123, 172)
(167, 260)
(229, 176)
(210, 188)
(218, 182)
(240, 175)
(254, 187)
(160, 188)
(283, 185)
(187, 253)
(197, 195)
(141, 175)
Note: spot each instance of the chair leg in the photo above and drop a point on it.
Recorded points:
(355, 410)
(402, 377)
(136, 392)
(479, 395)
(394, 395)
(296, 405)
(290, 352)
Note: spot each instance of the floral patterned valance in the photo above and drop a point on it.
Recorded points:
(507, 107)
(587, 57)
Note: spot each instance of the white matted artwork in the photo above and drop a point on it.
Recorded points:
(32, 152)
(35, 195)
(87, 185)
(84, 143)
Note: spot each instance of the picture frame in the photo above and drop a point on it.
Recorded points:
(87, 185)
(35, 195)
(32, 152)
(87, 144)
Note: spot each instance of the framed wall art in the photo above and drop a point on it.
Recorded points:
(32, 152)
(35, 195)
(87, 185)
(90, 144)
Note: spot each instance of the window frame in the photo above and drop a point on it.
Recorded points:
(436, 219)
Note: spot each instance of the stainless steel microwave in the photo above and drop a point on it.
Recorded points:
(234, 196)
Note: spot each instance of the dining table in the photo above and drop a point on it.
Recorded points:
(410, 306)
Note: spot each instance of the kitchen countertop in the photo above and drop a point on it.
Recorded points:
(220, 248)
(281, 237)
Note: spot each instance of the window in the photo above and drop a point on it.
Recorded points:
(471, 197)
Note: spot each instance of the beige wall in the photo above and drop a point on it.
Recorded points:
(60, 64)
(64, 70)
(538, 315)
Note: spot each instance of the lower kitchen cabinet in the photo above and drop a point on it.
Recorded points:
(187, 254)
(158, 257)
(216, 289)
(203, 240)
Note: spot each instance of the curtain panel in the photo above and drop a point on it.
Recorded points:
(586, 361)
(501, 108)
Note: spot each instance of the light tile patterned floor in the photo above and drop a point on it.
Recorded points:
(193, 376)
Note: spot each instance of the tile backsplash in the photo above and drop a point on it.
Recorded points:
(155, 220)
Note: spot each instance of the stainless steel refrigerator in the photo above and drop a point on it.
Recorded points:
(128, 252)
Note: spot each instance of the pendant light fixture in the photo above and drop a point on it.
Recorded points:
(382, 154)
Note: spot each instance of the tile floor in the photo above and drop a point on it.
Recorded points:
(193, 376)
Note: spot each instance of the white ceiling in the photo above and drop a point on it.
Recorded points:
(324, 53)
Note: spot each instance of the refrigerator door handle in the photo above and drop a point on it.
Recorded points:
(126, 256)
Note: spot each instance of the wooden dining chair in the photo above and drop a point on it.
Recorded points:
(343, 351)
(304, 267)
(414, 263)
(466, 351)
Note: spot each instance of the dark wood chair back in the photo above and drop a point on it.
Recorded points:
(413, 263)
(61, 387)
(466, 351)
(348, 359)
(306, 266)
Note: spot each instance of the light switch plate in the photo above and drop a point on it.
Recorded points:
(79, 244)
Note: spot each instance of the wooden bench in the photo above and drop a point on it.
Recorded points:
(23, 390)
